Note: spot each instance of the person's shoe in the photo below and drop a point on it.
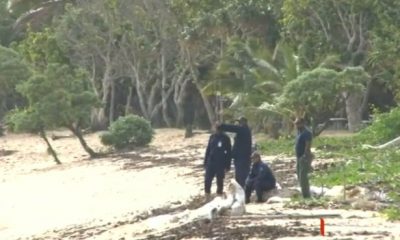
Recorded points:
(260, 201)
(208, 196)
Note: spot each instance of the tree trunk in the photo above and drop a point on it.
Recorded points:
(206, 102)
(98, 119)
(78, 133)
(179, 114)
(49, 147)
(207, 105)
(354, 111)
(367, 93)
(111, 115)
(128, 107)
(164, 94)
(141, 96)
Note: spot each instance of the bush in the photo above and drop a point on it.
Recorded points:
(386, 126)
(127, 131)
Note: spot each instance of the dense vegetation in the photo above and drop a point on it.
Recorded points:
(152, 57)
(354, 164)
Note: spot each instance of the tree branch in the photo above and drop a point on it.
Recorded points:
(342, 21)
(321, 22)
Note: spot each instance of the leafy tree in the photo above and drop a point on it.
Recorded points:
(319, 93)
(209, 25)
(33, 14)
(29, 120)
(60, 97)
(383, 57)
(13, 70)
(314, 93)
(90, 33)
(333, 27)
(41, 48)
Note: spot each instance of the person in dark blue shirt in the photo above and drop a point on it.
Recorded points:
(217, 160)
(242, 148)
(261, 179)
(303, 156)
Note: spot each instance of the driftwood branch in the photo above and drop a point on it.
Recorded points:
(289, 216)
(393, 143)
(232, 205)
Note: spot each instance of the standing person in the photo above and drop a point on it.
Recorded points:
(217, 160)
(303, 155)
(241, 152)
(261, 179)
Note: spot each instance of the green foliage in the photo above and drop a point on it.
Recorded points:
(299, 202)
(204, 17)
(354, 166)
(357, 166)
(13, 70)
(250, 67)
(41, 48)
(312, 92)
(26, 120)
(61, 96)
(6, 22)
(353, 79)
(318, 93)
(392, 213)
(128, 131)
(279, 146)
(385, 127)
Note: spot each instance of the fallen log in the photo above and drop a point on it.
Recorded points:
(55, 137)
(392, 143)
(231, 205)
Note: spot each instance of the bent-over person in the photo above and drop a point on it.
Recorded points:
(261, 179)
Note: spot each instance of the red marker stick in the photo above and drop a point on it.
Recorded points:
(322, 226)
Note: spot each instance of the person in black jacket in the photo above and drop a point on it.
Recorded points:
(261, 179)
(242, 148)
(217, 160)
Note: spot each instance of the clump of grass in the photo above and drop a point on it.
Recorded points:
(277, 147)
(299, 202)
(392, 213)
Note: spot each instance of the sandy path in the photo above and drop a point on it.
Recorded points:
(37, 196)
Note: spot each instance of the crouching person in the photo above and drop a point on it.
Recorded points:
(217, 160)
(260, 179)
